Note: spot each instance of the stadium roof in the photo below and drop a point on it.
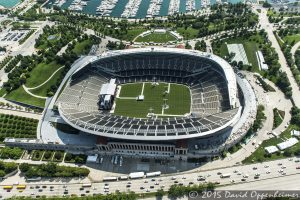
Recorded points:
(88, 119)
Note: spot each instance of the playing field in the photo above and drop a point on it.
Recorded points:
(178, 100)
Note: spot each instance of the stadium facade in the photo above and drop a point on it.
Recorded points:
(222, 107)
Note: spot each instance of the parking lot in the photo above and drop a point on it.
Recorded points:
(13, 36)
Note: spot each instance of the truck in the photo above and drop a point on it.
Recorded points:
(135, 175)
(225, 175)
(111, 178)
(153, 174)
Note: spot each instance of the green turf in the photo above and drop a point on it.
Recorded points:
(42, 91)
(82, 48)
(41, 73)
(132, 33)
(292, 38)
(21, 96)
(189, 33)
(131, 90)
(156, 38)
(178, 100)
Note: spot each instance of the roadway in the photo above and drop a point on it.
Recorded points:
(267, 171)
(268, 27)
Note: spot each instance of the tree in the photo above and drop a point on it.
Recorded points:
(266, 5)
(159, 193)
(58, 155)
(287, 153)
(24, 167)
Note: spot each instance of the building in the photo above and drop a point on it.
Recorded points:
(222, 106)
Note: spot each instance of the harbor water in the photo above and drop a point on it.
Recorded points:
(91, 6)
(9, 3)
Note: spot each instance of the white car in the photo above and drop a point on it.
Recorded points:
(268, 172)
(266, 166)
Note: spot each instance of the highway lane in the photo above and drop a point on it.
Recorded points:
(237, 173)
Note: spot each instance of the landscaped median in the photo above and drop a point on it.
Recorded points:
(52, 170)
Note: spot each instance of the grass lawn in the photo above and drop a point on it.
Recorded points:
(251, 45)
(2, 92)
(278, 117)
(49, 42)
(189, 33)
(131, 90)
(41, 73)
(21, 96)
(290, 38)
(132, 33)
(42, 91)
(156, 38)
(259, 154)
(82, 48)
(178, 100)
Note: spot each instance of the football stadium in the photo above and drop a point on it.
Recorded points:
(147, 102)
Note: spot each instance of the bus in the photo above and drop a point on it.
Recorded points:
(110, 178)
(7, 187)
(87, 185)
(21, 187)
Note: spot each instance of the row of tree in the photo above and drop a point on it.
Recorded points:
(7, 167)
(52, 170)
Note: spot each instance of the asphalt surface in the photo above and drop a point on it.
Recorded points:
(267, 171)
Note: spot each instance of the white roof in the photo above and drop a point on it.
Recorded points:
(261, 61)
(107, 97)
(136, 175)
(289, 143)
(92, 158)
(271, 149)
(295, 133)
(108, 88)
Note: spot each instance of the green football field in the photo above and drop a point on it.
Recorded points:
(178, 99)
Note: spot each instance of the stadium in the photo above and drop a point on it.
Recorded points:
(151, 102)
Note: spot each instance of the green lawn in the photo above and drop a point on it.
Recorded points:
(251, 45)
(131, 90)
(42, 91)
(132, 33)
(178, 100)
(259, 154)
(189, 33)
(41, 73)
(156, 38)
(21, 96)
(48, 43)
(290, 38)
(82, 48)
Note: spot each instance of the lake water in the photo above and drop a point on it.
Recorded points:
(142, 11)
(9, 3)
